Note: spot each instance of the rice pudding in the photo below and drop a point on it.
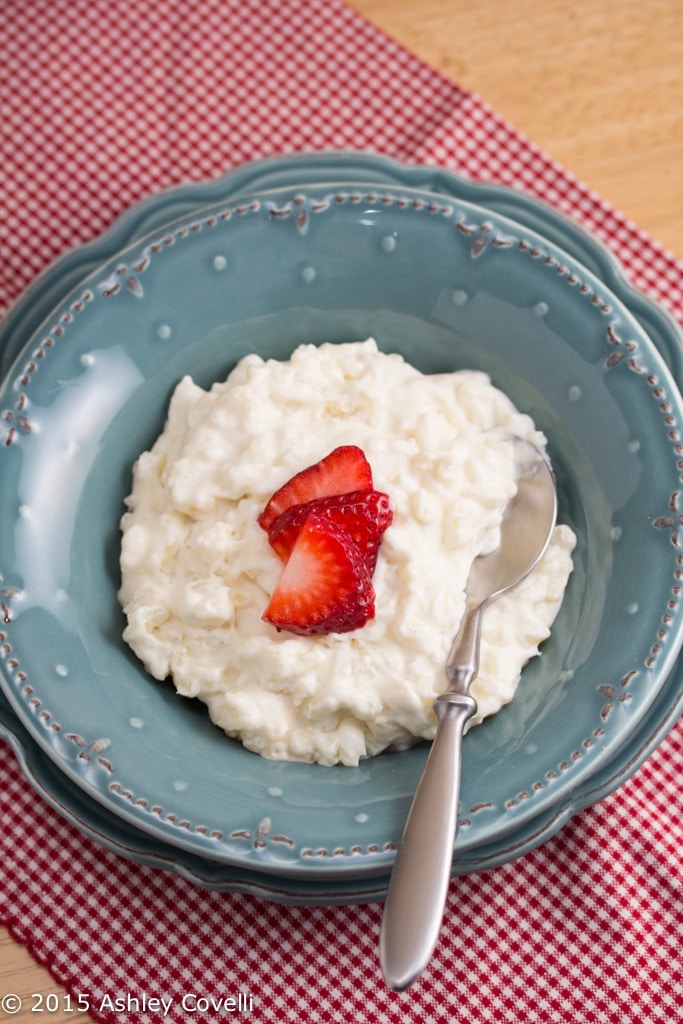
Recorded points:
(198, 570)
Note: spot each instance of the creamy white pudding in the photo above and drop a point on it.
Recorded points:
(198, 570)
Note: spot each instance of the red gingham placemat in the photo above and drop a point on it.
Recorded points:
(104, 103)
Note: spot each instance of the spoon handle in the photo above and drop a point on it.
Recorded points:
(419, 882)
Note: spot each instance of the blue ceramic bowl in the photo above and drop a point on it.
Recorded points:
(309, 249)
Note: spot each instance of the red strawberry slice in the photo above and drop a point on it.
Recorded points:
(325, 586)
(344, 469)
(363, 515)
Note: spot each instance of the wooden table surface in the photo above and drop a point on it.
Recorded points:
(597, 85)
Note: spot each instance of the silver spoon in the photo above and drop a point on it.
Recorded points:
(420, 878)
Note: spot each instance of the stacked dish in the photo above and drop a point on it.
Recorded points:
(333, 248)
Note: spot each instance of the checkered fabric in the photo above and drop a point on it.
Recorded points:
(104, 103)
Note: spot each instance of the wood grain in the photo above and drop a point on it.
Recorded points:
(23, 977)
(597, 85)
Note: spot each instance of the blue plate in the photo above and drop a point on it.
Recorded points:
(332, 248)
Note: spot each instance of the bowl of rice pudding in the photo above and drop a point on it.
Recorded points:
(247, 463)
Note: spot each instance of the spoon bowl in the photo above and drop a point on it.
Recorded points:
(420, 878)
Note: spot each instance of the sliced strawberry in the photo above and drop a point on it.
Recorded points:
(344, 469)
(363, 515)
(325, 586)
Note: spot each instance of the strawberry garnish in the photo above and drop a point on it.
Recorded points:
(345, 469)
(326, 524)
(363, 515)
(325, 586)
